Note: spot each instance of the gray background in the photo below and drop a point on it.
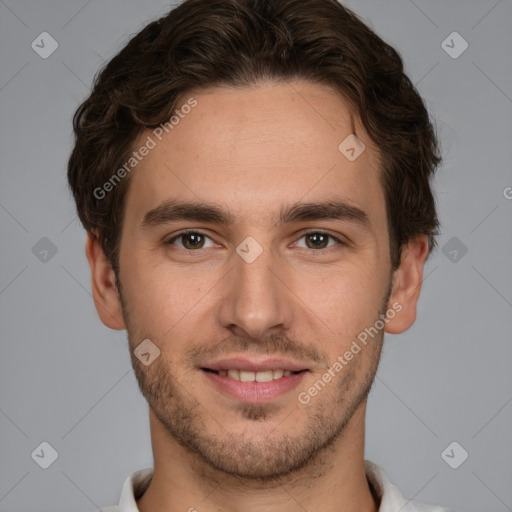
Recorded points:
(67, 380)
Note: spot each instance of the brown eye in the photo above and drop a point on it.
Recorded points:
(319, 240)
(190, 240)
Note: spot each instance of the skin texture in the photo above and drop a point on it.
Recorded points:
(254, 151)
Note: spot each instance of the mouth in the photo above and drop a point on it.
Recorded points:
(248, 376)
(252, 381)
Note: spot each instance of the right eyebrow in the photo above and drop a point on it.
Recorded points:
(172, 210)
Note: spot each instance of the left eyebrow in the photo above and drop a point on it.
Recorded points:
(335, 210)
(173, 210)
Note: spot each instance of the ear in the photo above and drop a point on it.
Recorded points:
(406, 285)
(104, 288)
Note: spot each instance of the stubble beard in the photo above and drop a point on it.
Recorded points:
(274, 457)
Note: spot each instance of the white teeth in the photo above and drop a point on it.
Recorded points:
(278, 374)
(234, 374)
(246, 376)
(264, 376)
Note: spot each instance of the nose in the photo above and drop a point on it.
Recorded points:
(258, 297)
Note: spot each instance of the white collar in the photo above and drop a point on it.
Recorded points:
(391, 498)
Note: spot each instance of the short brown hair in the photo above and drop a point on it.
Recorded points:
(206, 43)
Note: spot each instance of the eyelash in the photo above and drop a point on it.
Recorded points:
(170, 241)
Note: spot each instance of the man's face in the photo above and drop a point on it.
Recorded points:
(295, 294)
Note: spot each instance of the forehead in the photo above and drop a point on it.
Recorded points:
(255, 149)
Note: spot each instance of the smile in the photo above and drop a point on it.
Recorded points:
(253, 380)
(248, 376)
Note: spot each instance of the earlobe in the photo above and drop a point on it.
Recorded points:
(104, 288)
(406, 285)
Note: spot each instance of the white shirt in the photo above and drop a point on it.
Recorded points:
(391, 498)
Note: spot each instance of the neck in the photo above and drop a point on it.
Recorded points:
(334, 481)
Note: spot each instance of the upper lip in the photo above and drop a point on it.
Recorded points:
(254, 365)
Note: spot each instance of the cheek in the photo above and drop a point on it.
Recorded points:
(345, 302)
(160, 296)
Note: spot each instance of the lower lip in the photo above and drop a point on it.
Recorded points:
(255, 392)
